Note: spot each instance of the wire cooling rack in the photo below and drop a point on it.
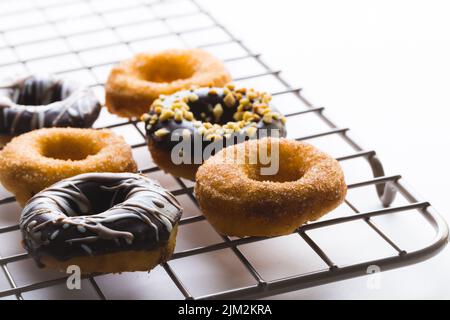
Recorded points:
(83, 39)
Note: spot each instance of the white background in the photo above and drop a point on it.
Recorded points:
(381, 68)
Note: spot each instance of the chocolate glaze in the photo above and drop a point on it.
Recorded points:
(42, 101)
(202, 110)
(98, 213)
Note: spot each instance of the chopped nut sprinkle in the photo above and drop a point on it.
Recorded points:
(153, 119)
(158, 109)
(244, 101)
(229, 100)
(217, 111)
(252, 95)
(166, 115)
(208, 125)
(238, 116)
(230, 86)
(161, 132)
(145, 117)
(193, 97)
(265, 111)
(267, 118)
(189, 116)
(248, 116)
(253, 106)
(251, 131)
(178, 115)
(242, 90)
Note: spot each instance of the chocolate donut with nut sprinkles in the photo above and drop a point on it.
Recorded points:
(207, 117)
(101, 222)
(44, 101)
(238, 200)
(134, 84)
(37, 159)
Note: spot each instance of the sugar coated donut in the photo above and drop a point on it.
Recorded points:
(207, 118)
(37, 159)
(43, 101)
(101, 222)
(134, 84)
(238, 200)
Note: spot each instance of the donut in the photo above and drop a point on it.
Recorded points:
(43, 101)
(207, 118)
(101, 222)
(238, 200)
(134, 84)
(37, 159)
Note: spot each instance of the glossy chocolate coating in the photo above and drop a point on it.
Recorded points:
(43, 101)
(202, 109)
(98, 213)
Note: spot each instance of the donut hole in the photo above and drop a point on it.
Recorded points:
(165, 69)
(39, 90)
(69, 148)
(101, 198)
(285, 173)
(275, 165)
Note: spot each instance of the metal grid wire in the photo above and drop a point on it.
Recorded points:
(44, 15)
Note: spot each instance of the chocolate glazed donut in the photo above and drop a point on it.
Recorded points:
(222, 116)
(97, 215)
(39, 101)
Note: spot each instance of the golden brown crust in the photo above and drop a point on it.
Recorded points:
(37, 159)
(135, 83)
(124, 261)
(238, 203)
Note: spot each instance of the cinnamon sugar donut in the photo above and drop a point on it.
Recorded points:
(239, 201)
(134, 84)
(37, 159)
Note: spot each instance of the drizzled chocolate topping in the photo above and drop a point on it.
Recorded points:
(43, 101)
(98, 213)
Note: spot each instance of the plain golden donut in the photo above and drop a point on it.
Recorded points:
(134, 84)
(238, 201)
(37, 159)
